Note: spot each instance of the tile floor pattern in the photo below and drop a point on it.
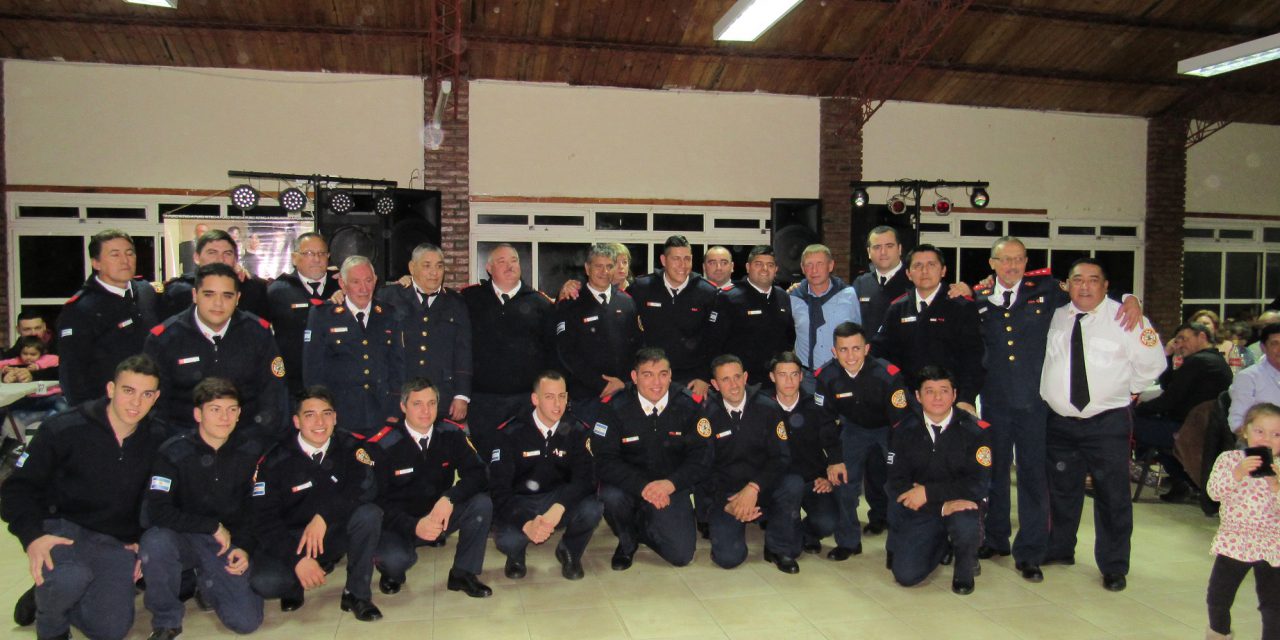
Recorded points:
(856, 599)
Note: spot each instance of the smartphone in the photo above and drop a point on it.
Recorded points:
(1264, 453)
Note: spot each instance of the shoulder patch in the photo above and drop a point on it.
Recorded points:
(73, 298)
(704, 428)
(496, 456)
(339, 308)
(158, 286)
(264, 323)
(379, 435)
(899, 399)
(277, 367)
(157, 330)
(1149, 337)
(982, 424)
(901, 297)
(983, 456)
(781, 430)
(363, 456)
(601, 429)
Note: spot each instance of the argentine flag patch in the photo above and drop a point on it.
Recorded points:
(601, 429)
(22, 459)
(259, 489)
(818, 399)
(306, 335)
(560, 328)
(161, 483)
(714, 315)
(497, 455)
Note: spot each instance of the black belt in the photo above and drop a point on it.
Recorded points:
(1093, 417)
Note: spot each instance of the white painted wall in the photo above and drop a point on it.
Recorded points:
(1236, 170)
(107, 125)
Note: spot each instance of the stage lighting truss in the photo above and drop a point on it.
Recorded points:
(904, 196)
(385, 204)
(341, 202)
(244, 197)
(293, 200)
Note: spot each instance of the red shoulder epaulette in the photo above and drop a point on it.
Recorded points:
(456, 424)
(983, 424)
(1039, 272)
(608, 399)
(315, 302)
(895, 425)
(157, 330)
(505, 423)
(73, 298)
(817, 372)
(358, 436)
(727, 287)
(380, 435)
(264, 323)
(892, 369)
(696, 398)
(137, 276)
(969, 298)
(899, 298)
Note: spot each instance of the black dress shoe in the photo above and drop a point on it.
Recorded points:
(812, 547)
(1030, 572)
(1178, 493)
(1114, 582)
(874, 528)
(570, 567)
(961, 587)
(704, 530)
(65, 635)
(438, 542)
(888, 560)
(165, 634)
(363, 610)
(292, 603)
(840, 554)
(948, 556)
(24, 612)
(1065, 561)
(985, 552)
(389, 585)
(621, 559)
(469, 584)
(784, 563)
(514, 569)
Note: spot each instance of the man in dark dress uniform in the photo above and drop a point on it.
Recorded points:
(73, 502)
(674, 305)
(435, 330)
(106, 321)
(217, 339)
(291, 296)
(752, 318)
(648, 457)
(312, 503)
(415, 465)
(350, 348)
(939, 468)
(810, 440)
(541, 479)
(596, 336)
(214, 247)
(197, 510)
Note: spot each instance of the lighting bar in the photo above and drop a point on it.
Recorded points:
(1231, 58)
(747, 19)
(168, 4)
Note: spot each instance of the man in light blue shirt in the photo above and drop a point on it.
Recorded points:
(818, 305)
(1259, 382)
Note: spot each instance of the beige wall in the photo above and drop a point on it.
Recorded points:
(105, 125)
(1236, 170)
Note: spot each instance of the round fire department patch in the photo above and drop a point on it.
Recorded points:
(1149, 337)
(782, 431)
(704, 428)
(363, 457)
(983, 456)
(899, 399)
(277, 367)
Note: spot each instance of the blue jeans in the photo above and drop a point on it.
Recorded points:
(166, 554)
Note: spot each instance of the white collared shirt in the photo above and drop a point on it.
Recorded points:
(209, 334)
(928, 300)
(648, 407)
(788, 407)
(766, 292)
(675, 289)
(510, 294)
(354, 310)
(596, 294)
(112, 288)
(423, 295)
(418, 436)
(997, 294)
(946, 422)
(888, 275)
(741, 406)
(542, 428)
(310, 450)
(1117, 362)
(854, 374)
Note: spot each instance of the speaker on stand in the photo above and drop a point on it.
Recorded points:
(796, 224)
(386, 240)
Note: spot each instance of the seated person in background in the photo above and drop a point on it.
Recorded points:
(939, 470)
(31, 323)
(1268, 317)
(33, 358)
(1235, 356)
(1203, 375)
(1259, 382)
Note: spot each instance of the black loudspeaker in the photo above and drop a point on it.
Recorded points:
(387, 240)
(797, 223)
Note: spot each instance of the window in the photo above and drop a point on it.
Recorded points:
(1229, 267)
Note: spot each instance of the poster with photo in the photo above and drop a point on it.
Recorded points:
(263, 243)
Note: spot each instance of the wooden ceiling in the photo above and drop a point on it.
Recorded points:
(1099, 56)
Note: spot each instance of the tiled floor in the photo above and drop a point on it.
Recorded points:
(854, 599)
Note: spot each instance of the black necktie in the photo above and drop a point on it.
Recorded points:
(1008, 299)
(128, 294)
(923, 305)
(424, 442)
(505, 298)
(360, 318)
(550, 432)
(604, 298)
(217, 342)
(736, 416)
(317, 456)
(674, 292)
(883, 280)
(937, 431)
(654, 414)
(315, 288)
(1079, 379)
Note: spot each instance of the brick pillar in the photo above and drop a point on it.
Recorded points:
(839, 162)
(448, 170)
(1166, 210)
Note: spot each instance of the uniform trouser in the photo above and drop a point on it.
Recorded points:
(920, 540)
(859, 445)
(471, 519)
(825, 514)
(273, 577)
(90, 585)
(874, 479)
(1225, 580)
(669, 531)
(579, 522)
(1099, 446)
(166, 554)
(1021, 433)
(486, 412)
(781, 507)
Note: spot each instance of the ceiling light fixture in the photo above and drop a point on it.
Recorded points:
(897, 205)
(942, 206)
(747, 19)
(979, 198)
(244, 197)
(168, 4)
(860, 197)
(1231, 58)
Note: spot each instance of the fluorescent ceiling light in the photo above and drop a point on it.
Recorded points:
(1237, 57)
(747, 19)
(168, 4)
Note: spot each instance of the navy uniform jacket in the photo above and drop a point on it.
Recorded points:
(248, 358)
(289, 304)
(77, 470)
(945, 335)
(526, 464)
(812, 446)
(1014, 339)
(177, 295)
(514, 340)
(1203, 376)
(677, 327)
(595, 339)
(361, 366)
(754, 450)
(435, 339)
(957, 468)
(194, 488)
(875, 398)
(752, 326)
(874, 299)
(411, 481)
(290, 489)
(633, 449)
(96, 330)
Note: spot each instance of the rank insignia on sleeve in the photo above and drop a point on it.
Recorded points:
(363, 457)
(983, 456)
(782, 431)
(899, 399)
(1149, 337)
(704, 428)
(277, 367)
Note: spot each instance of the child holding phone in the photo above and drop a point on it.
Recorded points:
(1249, 532)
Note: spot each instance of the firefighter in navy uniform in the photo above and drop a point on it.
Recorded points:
(415, 465)
(312, 504)
(106, 321)
(291, 296)
(752, 318)
(435, 330)
(861, 398)
(214, 247)
(749, 477)
(216, 339)
(541, 479)
(939, 469)
(648, 457)
(674, 305)
(351, 348)
(596, 336)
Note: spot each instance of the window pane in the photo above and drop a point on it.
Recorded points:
(559, 221)
(1197, 233)
(735, 223)
(1271, 234)
(677, 222)
(935, 227)
(974, 265)
(1119, 265)
(1235, 234)
(201, 210)
(1202, 275)
(1244, 275)
(1029, 229)
(483, 249)
(989, 228)
(48, 212)
(1076, 231)
(1037, 259)
(117, 213)
(1119, 231)
(558, 262)
(1271, 285)
(1242, 310)
(501, 219)
(1060, 261)
(609, 221)
(51, 266)
(145, 247)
